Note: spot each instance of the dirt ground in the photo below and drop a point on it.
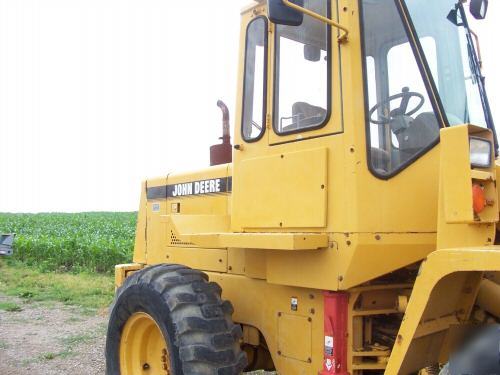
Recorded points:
(51, 339)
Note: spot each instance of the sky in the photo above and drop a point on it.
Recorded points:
(97, 95)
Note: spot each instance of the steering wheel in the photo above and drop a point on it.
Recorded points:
(405, 97)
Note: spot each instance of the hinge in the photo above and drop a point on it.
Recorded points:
(268, 121)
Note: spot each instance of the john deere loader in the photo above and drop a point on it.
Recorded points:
(352, 226)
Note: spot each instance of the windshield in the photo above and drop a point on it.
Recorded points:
(457, 79)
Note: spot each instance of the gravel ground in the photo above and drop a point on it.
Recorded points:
(51, 339)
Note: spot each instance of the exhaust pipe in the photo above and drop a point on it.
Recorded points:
(226, 136)
(222, 153)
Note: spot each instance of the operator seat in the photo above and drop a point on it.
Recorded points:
(305, 115)
(421, 132)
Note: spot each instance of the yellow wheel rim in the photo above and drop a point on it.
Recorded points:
(143, 349)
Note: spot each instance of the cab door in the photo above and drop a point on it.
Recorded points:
(281, 164)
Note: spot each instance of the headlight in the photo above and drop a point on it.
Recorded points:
(480, 153)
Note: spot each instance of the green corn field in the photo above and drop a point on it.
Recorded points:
(86, 242)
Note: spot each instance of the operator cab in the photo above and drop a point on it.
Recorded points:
(412, 87)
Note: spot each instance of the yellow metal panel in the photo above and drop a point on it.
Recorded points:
(457, 224)
(140, 232)
(212, 204)
(236, 261)
(122, 271)
(353, 259)
(294, 336)
(456, 175)
(156, 230)
(255, 263)
(202, 259)
(267, 241)
(186, 225)
(437, 266)
(285, 190)
(258, 303)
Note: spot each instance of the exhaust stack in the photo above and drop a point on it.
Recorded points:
(222, 153)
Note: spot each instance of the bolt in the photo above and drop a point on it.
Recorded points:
(311, 296)
(145, 366)
(348, 243)
(377, 237)
(312, 311)
(400, 339)
(279, 352)
(323, 187)
(279, 314)
(220, 260)
(309, 320)
(309, 360)
(230, 268)
(341, 278)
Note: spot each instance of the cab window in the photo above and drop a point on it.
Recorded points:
(254, 90)
(401, 117)
(302, 81)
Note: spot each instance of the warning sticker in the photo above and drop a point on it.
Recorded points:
(329, 345)
(329, 364)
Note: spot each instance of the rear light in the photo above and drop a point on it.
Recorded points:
(479, 202)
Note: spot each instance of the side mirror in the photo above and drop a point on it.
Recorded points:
(479, 8)
(281, 14)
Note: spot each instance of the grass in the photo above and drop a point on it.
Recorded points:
(4, 345)
(10, 307)
(89, 291)
(91, 242)
(71, 343)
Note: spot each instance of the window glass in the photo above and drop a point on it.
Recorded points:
(401, 119)
(254, 92)
(302, 77)
(458, 85)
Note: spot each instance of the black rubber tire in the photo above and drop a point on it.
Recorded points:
(196, 323)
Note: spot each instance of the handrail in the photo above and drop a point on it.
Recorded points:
(341, 39)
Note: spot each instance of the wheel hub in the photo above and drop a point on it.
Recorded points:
(143, 349)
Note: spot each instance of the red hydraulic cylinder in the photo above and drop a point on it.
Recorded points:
(336, 334)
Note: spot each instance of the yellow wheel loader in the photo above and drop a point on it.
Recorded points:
(352, 227)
